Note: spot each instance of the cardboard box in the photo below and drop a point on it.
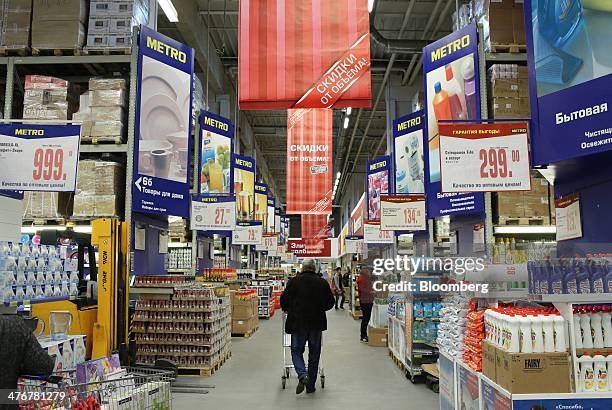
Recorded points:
(49, 34)
(501, 28)
(242, 312)
(518, 23)
(241, 326)
(377, 336)
(505, 87)
(489, 353)
(59, 10)
(526, 373)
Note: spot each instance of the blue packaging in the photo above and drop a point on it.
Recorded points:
(569, 281)
(583, 279)
(608, 278)
(530, 273)
(418, 309)
(556, 279)
(427, 309)
(598, 276)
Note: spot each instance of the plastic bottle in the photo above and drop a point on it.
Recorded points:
(549, 333)
(537, 335)
(597, 330)
(609, 363)
(577, 331)
(585, 326)
(514, 337)
(600, 371)
(525, 328)
(606, 325)
(608, 278)
(455, 95)
(569, 281)
(469, 84)
(559, 333)
(586, 373)
(441, 104)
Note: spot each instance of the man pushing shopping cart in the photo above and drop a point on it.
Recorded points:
(305, 300)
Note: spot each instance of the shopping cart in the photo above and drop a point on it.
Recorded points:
(136, 389)
(288, 362)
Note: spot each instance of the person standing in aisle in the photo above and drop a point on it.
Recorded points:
(306, 299)
(366, 299)
(339, 288)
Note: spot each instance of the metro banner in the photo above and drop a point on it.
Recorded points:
(377, 183)
(452, 93)
(162, 140)
(216, 134)
(310, 248)
(485, 157)
(38, 158)
(408, 153)
(309, 161)
(304, 54)
(243, 169)
(314, 226)
(261, 203)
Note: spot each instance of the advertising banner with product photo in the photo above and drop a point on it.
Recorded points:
(314, 226)
(304, 54)
(244, 187)
(452, 93)
(215, 154)
(377, 183)
(38, 158)
(277, 220)
(261, 203)
(163, 125)
(269, 228)
(309, 248)
(357, 216)
(570, 77)
(247, 233)
(213, 213)
(309, 161)
(408, 153)
(485, 157)
(494, 399)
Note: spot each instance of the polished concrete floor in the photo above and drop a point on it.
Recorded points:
(357, 376)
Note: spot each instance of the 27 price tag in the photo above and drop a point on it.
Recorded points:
(247, 234)
(402, 213)
(372, 233)
(213, 214)
(484, 157)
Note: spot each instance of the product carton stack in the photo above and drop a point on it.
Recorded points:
(111, 22)
(47, 205)
(58, 24)
(47, 98)
(245, 319)
(15, 17)
(102, 110)
(510, 91)
(529, 207)
(99, 189)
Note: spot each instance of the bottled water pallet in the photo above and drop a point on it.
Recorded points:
(524, 220)
(206, 371)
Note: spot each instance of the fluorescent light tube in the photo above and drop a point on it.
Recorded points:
(346, 122)
(169, 10)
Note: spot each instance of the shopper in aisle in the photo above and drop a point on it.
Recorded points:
(306, 299)
(21, 354)
(366, 299)
(338, 284)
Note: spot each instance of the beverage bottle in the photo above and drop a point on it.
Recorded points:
(456, 96)
(586, 373)
(597, 330)
(469, 83)
(441, 104)
(600, 372)
(585, 326)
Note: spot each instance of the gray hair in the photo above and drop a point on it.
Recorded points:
(309, 265)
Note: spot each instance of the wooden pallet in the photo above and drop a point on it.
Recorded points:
(18, 51)
(397, 361)
(247, 334)
(524, 220)
(116, 139)
(106, 50)
(197, 371)
(508, 48)
(44, 221)
(76, 51)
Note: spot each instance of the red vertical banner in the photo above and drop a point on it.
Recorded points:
(315, 226)
(309, 161)
(304, 54)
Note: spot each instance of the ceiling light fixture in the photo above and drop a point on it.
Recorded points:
(348, 111)
(346, 122)
(169, 10)
(338, 175)
(370, 5)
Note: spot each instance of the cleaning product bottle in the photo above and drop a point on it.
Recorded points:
(455, 95)
(441, 104)
(570, 286)
(549, 333)
(577, 330)
(583, 279)
(606, 324)
(597, 330)
(469, 83)
(586, 373)
(556, 279)
(525, 328)
(608, 278)
(585, 326)
(597, 278)
(600, 371)
(559, 20)
(537, 335)
(514, 343)
(559, 329)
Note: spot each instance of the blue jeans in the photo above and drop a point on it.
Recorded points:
(298, 345)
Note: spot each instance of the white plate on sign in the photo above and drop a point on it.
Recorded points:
(160, 117)
(157, 78)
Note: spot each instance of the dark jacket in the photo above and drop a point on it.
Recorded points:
(20, 354)
(365, 288)
(306, 299)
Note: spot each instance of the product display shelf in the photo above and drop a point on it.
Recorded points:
(420, 350)
(397, 340)
(354, 298)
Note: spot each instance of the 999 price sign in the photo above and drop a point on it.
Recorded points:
(39, 158)
(217, 213)
(485, 157)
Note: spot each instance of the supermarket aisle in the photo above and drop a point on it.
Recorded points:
(358, 376)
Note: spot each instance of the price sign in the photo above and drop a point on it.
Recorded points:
(268, 243)
(402, 213)
(373, 234)
(354, 246)
(485, 157)
(249, 233)
(567, 211)
(213, 213)
(39, 158)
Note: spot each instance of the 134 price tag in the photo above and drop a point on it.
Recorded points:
(402, 213)
(213, 214)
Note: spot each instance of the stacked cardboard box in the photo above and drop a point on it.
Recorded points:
(47, 205)
(47, 98)
(102, 110)
(111, 22)
(99, 189)
(534, 203)
(244, 312)
(377, 336)
(510, 91)
(15, 17)
(58, 24)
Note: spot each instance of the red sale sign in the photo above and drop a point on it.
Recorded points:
(314, 226)
(485, 157)
(309, 161)
(310, 248)
(304, 54)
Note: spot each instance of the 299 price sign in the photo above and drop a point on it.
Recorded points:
(216, 213)
(39, 158)
(247, 233)
(402, 213)
(485, 157)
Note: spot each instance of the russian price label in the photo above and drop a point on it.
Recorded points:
(402, 213)
(213, 214)
(247, 234)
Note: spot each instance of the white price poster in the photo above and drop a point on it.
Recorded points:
(402, 213)
(567, 211)
(214, 213)
(247, 233)
(39, 157)
(485, 157)
(373, 234)
(268, 243)
(354, 246)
